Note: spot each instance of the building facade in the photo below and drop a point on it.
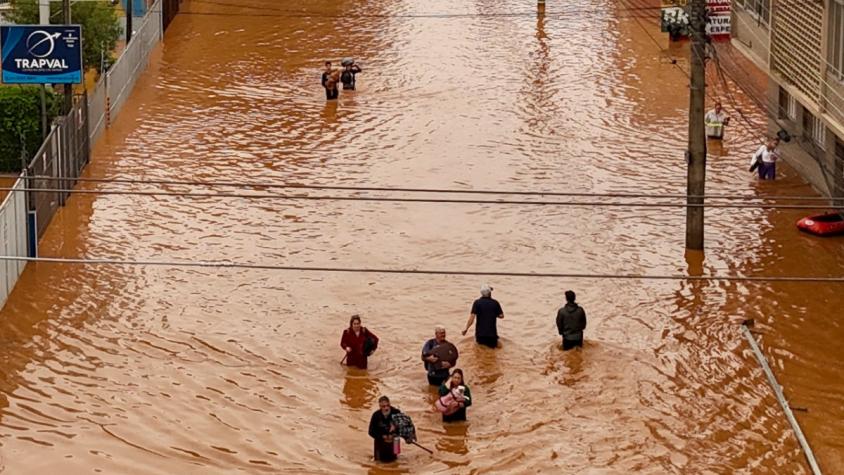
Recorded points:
(800, 45)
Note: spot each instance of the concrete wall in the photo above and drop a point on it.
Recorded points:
(751, 37)
(835, 100)
(813, 163)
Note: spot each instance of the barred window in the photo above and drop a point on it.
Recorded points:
(836, 39)
(787, 105)
(760, 9)
(814, 129)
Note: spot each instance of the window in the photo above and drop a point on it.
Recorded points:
(787, 106)
(836, 39)
(759, 9)
(814, 130)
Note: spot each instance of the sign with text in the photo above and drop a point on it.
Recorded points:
(718, 19)
(41, 54)
(674, 18)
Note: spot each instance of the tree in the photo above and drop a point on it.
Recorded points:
(20, 123)
(99, 20)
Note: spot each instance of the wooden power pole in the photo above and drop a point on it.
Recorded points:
(696, 178)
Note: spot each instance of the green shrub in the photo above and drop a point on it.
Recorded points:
(20, 123)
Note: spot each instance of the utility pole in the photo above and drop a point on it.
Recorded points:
(68, 88)
(696, 154)
(43, 19)
(44, 12)
(128, 22)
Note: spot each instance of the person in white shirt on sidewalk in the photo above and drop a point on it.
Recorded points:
(715, 121)
(765, 159)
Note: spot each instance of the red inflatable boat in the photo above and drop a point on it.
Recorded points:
(830, 224)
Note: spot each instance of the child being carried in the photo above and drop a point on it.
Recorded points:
(450, 403)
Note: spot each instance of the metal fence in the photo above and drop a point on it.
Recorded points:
(67, 148)
(97, 108)
(24, 216)
(60, 159)
(114, 87)
(13, 238)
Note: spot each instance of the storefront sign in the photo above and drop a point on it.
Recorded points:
(674, 18)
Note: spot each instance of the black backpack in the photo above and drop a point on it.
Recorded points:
(369, 344)
(346, 77)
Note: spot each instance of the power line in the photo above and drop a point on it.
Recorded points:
(559, 15)
(277, 196)
(290, 13)
(362, 188)
(375, 270)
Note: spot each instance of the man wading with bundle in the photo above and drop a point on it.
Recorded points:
(383, 430)
(571, 321)
(439, 355)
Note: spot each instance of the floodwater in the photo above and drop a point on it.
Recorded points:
(159, 370)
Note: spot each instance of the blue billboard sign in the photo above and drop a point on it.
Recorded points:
(41, 54)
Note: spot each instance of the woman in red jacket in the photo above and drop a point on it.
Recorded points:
(358, 342)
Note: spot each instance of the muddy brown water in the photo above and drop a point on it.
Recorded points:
(152, 370)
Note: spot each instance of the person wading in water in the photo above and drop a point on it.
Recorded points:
(487, 311)
(383, 430)
(358, 342)
(437, 370)
(329, 82)
(347, 77)
(453, 384)
(571, 321)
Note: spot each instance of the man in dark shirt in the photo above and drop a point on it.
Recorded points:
(329, 83)
(383, 430)
(571, 321)
(487, 311)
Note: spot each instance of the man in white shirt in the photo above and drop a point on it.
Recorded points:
(765, 159)
(715, 121)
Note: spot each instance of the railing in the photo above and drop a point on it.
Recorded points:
(114, 87)
(13, 238)
(24, 216)
(63, 155)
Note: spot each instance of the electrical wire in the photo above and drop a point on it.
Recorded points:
(244, 5)
(376, 270)
(359, 188)
(290, 13)
(566, 14)
(288, 197)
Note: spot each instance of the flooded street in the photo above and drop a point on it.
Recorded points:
(161, 370)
